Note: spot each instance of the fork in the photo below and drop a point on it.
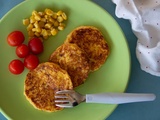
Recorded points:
(71, 98)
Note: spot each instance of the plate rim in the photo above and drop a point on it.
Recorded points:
(125, 40)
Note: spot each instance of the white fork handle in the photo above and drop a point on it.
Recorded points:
(119, 98)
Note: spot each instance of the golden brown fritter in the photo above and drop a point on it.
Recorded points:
(91, 40)
(42, 83)
(74, 60)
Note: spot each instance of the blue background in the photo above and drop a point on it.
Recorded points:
(139, 82)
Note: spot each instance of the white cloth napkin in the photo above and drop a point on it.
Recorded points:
(144, 16)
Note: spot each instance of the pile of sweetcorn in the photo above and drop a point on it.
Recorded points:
(45, 24)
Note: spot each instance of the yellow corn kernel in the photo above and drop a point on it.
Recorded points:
(46, 17)
(45, 37)
(36, 24)
(38, 30)
(37, 17)
(32, 19)
(54, 31)
(60, 27)
(48, 25)
(51, 20)
(41, 14)
(29, 27)
(62, 24)
(43, 19)
(59, 19)
(37, 34)
(54, 16)
(56, 23)
(64, 16)
(31, 34)
(41, 24)
(34, 29)
(34, 12)
(49, 12)
(44, 32)
(49, 32)
(59, 13)
(25, 21)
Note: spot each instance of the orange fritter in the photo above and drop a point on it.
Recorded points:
(42, 83)
(91, 40)
(74, 60)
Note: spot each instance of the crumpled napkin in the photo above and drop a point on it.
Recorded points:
(144, 16)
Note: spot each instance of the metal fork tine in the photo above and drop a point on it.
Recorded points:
(60, 96)
(63, 91)
(64, 105)
(66, 101)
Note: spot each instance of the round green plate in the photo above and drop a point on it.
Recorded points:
(111, 77)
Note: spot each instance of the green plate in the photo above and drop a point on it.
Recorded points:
(111, 77)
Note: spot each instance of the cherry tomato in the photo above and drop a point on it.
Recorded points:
(31, 61)
(15, 38)
(35, 45)
(22, 50)
(16, 66)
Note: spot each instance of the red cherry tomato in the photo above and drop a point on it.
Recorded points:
(22, 50)
(35, 45)
(15, 38)
(16, 66)
(31, 61)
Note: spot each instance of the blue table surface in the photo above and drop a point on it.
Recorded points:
(139, 82)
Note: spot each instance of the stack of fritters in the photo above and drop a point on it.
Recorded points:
(84, 50)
